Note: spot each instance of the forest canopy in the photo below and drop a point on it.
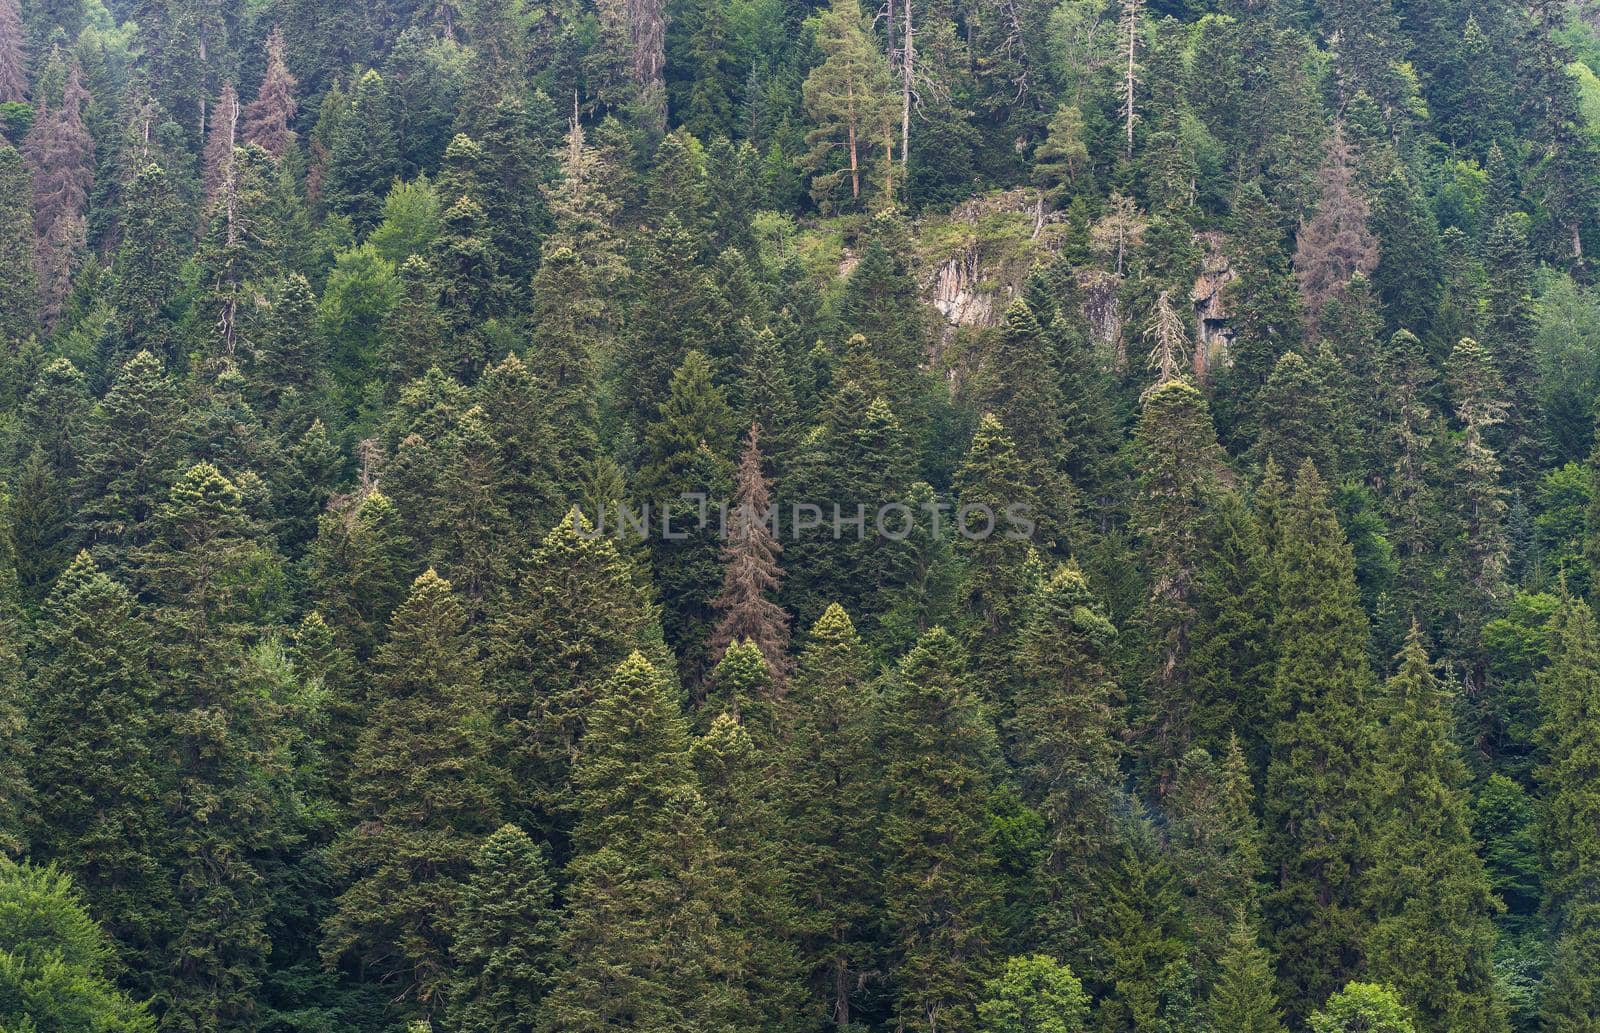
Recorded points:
(695, 516)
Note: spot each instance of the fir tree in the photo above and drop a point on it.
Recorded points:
(1064, 739)
(740, 786)
(995, 521)
(646, 947)
(752, 574)
(13, 62)
(1216, 843)
(1336, 243)
(16, 798)
(505, 932)
(60, 151)
(146, 271)
(422, 798)
(361, 562)
(364, 157)
(1244, 995)
(95, 767)
(267, 118)
(1482, 552)
(1409, 265)
(940, 756)
(1180, 467)
(1570, 693)
(1433, 937)
(1319, 780)
(19, 298)
(831, 772)
(58, 975)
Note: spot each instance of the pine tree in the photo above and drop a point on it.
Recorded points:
(1064, 740)
(267, 118)
(1433, 937)
(1319, 780)
(1570, 693)
(504, 936)
(19, 295)
(1062, 160)
(422, 798)
(849, 98)
(831, 777)
(752, 575)
(645, 945)
(940, 756)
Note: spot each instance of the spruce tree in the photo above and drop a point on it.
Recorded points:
(831, 774)
(361, 563)
(16, 798)
(751, 574)
(1216, 843)
(1570, 693)
(363, 156)
(1433, 938)
(996, 515)
(1064, 739)
(19, 301)
(423, 796)
(267, 118)
(940, 757)
(1319, 780)
(1244, 995)
(145, 274)
(1180, 467)
(575, 612)
(94, 761)
(740, 785)
(646, 947)
(504, 936)
(1482, 550)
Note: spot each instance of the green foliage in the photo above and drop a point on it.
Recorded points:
(54, 960)
(1362, 1006)
(1035, 994)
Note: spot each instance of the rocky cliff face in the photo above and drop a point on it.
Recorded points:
(973, 260)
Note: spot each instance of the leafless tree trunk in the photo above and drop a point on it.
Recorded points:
(1130, 15)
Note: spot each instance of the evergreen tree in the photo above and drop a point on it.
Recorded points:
(940, 756)
(1433, 937)
(752, 573)
(1064, 739)
(97, 774)
(145, 275)
(503, 949)
(363, 158)
(59, 963)
(740, 787)
(1180, 467)
(60, 151)
(360, 564)
(267, 118)
(16, 798)
(1482, 549)
(422, 797)
(1244, 996)
(132, 447)
(1408, 271)
(576, 610)
(19, 298)
(995, 520)
(830, 785)
(1319, 780)
(1568, 691)
(1216, 843)
(848, 96)
(645, 945)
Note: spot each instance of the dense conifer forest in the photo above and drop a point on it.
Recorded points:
(797, 516)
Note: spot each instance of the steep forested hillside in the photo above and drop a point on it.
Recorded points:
(712, 516)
